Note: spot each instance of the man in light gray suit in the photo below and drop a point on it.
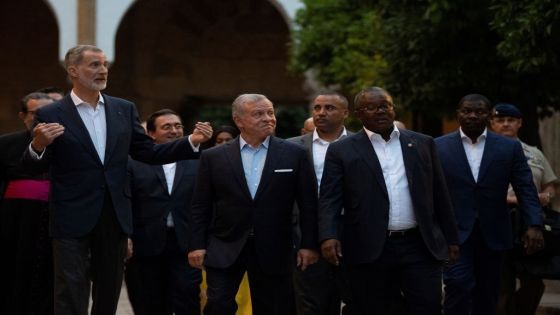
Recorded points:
(318, 288)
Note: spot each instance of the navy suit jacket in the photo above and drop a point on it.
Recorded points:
(223, 212)
(503, 162)
(353, 181)
(151, 204)
(79, 180)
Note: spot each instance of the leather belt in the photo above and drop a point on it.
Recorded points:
(401, 233)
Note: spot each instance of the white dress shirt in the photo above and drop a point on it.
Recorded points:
(474, 151)
(389, 153)
(320, 147)
(95, 122)
(169, 172)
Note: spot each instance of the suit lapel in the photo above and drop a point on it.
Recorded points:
(274, 152)
(232, 153)
(410, 154)
(73, 124)
(487, 155)
(113, 122)
(457, 151)
(158, 169)
(363, 146)
(179, 169)
(307, 142)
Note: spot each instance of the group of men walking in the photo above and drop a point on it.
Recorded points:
(367, 218)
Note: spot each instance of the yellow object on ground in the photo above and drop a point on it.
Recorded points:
(243, 297)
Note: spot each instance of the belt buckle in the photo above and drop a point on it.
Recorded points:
(396, 233)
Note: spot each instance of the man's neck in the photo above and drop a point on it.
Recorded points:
(252, 141)
(89, 96)
(328, 135)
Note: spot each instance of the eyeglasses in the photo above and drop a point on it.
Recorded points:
(169, 127)
(371, 108)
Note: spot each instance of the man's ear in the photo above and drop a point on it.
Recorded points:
(72, 71)
(21, 115)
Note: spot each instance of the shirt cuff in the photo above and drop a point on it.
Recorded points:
(37, 156)
(194, 148)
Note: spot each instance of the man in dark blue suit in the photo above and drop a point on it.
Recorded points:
(242, 213)
(385, 213)
(158, 276)
(479, 165)
(84, 141)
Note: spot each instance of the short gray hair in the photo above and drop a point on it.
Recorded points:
(237, 105)
(75, 54)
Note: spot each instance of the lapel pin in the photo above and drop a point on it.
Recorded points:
(410, 145)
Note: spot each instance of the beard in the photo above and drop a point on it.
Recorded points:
(91, 84)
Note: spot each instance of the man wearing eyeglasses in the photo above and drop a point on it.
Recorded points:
(158, 277)
(397, 224)
(479, 165)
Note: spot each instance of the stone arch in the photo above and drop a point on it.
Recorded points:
(188, 54)
(29, 58)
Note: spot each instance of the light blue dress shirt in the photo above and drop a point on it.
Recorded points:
(253, 163)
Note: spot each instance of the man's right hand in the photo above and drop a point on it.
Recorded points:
(332, 251)
(44, 134)
(196, 258)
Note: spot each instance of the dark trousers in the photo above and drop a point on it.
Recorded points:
(319, 289)
(406, 261)
(522, 301)
(99, 255)
(27, 270)
(164, 284)
(473, 283)
(270, 293)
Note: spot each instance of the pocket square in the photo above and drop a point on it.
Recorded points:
(283, 170)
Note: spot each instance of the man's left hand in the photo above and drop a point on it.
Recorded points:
(533, 240)
(202, 133)
(306, 257)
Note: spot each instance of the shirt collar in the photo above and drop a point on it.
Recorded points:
(373, 136)
(78, 101)
(243, 143)
(481, 137)
(316, 135)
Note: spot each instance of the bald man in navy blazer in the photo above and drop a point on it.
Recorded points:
(84, 141)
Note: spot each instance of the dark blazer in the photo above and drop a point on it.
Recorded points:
(306, 141)
(12, 146)
(78, 178)
(503, 162)
(151, 204)
(223, 212)
(353, 180)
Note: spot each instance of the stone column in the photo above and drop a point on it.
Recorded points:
(86, 22)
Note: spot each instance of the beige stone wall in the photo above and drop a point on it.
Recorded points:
(549, 130)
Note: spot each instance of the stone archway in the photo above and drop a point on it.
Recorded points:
(180, 54)
(29, 57)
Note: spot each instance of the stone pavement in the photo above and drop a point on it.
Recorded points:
(550, 303)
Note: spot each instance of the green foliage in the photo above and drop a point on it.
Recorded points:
(530, 32)
(337, 41)
(430, 53)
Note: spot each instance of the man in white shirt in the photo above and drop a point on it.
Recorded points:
(479, 165)
(84, 141)
(318, 289)
(384, 212)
